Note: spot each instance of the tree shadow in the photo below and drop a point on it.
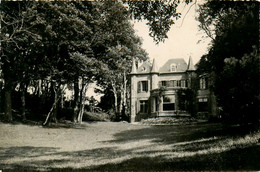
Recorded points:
(238, 159)
(168, 148)
(173, 134)
(16, 157)
(48, 158)
(25, 151)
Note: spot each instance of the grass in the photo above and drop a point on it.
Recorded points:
(121, 146)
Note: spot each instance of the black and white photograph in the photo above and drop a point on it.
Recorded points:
(129, 85)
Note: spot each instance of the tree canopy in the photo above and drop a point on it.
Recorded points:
(233, 59)
(53, 45)
(61, 42)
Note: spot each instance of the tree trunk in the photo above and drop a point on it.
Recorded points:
(53, 112)
(124, 96)
(76, 100)
(81, 112)
(62, 101)
(43, 97)
(116, 106)
(121, 100)
(115, 103)
(83, 90)
(39, 91)
(1, 85)
(8, 103)
(55, 107)
(23, 91)
(49, 114)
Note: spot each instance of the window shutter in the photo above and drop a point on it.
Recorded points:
(145, 86)
(139, 86)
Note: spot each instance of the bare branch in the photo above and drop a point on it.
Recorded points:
(188, 12)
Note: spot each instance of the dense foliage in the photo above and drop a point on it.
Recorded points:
(233, 59)
(50, 47)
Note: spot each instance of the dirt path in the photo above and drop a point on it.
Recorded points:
(122, 146)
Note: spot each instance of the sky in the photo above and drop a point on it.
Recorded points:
(182, 41)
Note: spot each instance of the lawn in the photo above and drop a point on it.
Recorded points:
(122, 146)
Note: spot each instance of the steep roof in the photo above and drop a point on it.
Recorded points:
(190, 65)
(144, 68)
(133, 66)
(154, 67)
(179, 62)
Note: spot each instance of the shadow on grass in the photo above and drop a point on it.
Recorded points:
(16, 158)
(47, 158)
(176, 139)
(25, 151)
(239, 159)
(173, 134)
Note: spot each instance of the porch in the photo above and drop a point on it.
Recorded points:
(165, 102)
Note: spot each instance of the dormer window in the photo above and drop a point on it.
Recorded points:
(173, 67)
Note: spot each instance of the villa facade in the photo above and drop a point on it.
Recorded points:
(164, 91)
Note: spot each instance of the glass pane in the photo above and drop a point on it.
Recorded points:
(168, 106)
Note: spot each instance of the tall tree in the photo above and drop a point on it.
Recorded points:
(233, 58)
(39, 40)
(117, 46)
(16, 56)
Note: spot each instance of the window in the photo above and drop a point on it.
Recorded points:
(168, 103)
(171, 83)
(174, 83)
(143, 106)
(203, 99)
(166, 84)
(173, 67)
(142, 86)
(183, 83)
(203, 83)
(179, 83)
(203, 105)
(163, 83)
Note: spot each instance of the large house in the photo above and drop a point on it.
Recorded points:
(163, 92)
